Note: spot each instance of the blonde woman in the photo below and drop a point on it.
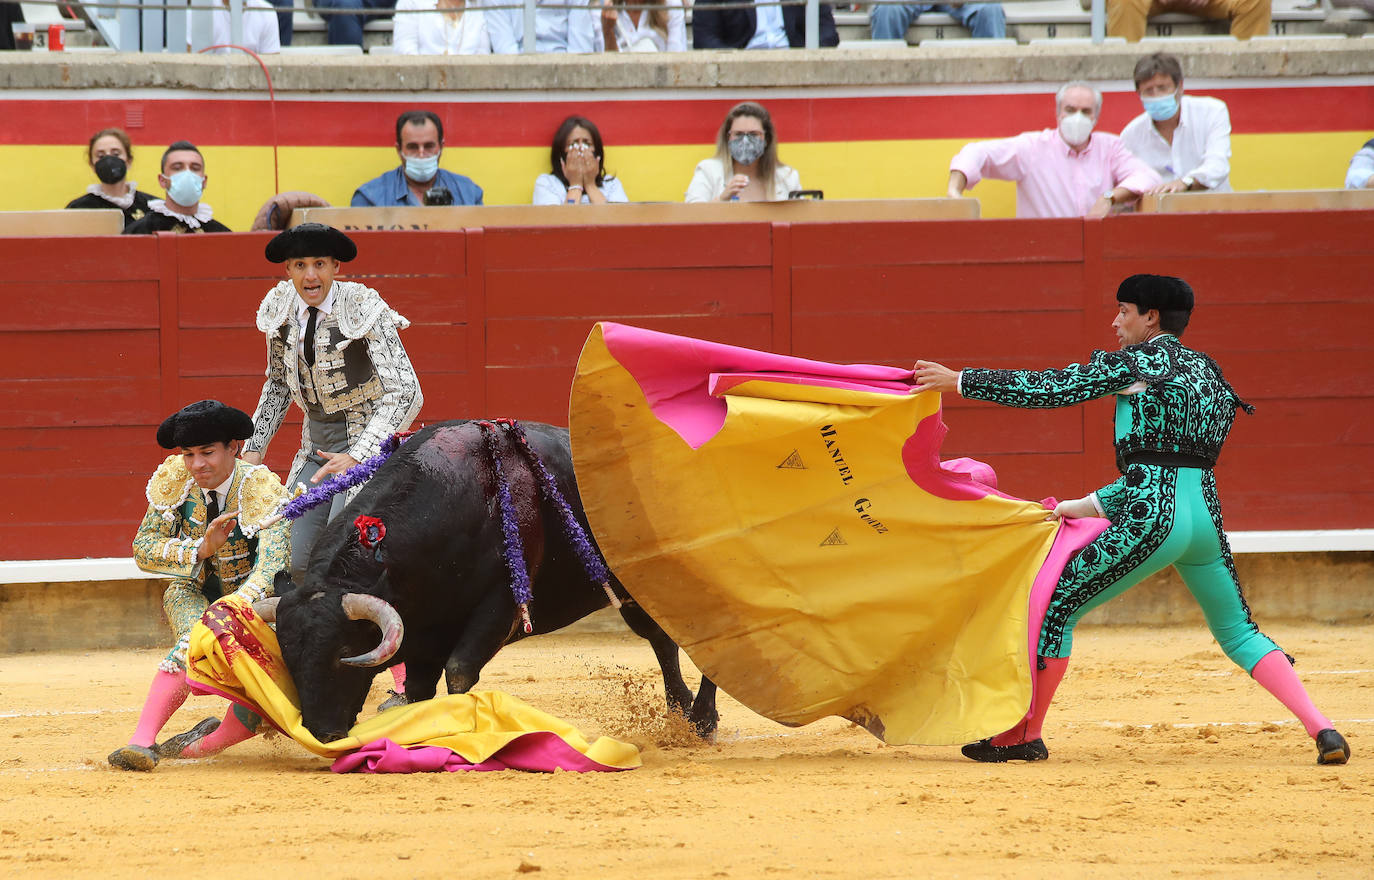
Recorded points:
(745, 167)
(628, 26)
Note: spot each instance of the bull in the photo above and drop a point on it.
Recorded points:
(430, 573)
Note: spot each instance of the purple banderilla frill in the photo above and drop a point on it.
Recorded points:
(357, 475)
(512, 546)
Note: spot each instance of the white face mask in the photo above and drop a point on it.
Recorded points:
(1076, 128)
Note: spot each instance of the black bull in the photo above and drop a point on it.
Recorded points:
(441, 568)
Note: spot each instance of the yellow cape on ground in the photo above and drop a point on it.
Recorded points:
(793, 556)
(235, 653)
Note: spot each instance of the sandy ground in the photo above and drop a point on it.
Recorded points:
(1165, 761)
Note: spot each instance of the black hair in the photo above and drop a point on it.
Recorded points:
(412, 117)
(179, 145)
(559, 149)
(1174, 321)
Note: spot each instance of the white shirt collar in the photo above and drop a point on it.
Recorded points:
(203, 213)
(302, 310)
(123, 201)
(222, 490)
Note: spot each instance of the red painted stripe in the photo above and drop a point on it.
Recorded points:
(672, 121)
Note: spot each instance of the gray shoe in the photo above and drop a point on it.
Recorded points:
(174, 746)
(133, 758)
(393, 701)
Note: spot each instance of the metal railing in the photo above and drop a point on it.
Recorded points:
(182, 25)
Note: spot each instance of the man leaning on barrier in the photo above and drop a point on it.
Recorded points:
(1185, 139)
(418, 180)
(1067, 171)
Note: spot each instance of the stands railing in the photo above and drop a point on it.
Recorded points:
(179, 26)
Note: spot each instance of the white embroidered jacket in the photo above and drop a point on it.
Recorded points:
(361, 369)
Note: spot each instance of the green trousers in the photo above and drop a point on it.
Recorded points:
(1160, 516)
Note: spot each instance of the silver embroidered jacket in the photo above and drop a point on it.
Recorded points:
(361, 369)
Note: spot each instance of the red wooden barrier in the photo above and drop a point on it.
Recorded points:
(105, 336)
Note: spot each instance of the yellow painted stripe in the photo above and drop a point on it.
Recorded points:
(240, 178)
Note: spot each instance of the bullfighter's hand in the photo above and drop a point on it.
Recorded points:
(1078, 508)
(931, 376)
(252, 457)
(334, 463)
(216, 534)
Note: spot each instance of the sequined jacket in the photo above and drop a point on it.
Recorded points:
(1170, 398)
(169, 538)
(361, 369)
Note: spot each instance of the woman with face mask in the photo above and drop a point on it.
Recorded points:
(745, 167)
(579, 168)
(109, 154)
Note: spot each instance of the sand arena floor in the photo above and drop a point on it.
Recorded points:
(1165, 761)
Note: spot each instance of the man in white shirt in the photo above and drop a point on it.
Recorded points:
(562, 27)
(260, 29)
(1185, 139)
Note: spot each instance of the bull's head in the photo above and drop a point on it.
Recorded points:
(329, 641)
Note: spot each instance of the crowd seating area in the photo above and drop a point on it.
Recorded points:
(1028, 22)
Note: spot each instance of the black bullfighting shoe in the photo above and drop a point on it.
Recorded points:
(133, 758)
(985, 751)
(1332, 747)
(393, 701)
(174, 746)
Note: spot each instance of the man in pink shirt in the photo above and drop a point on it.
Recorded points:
(1068, 171)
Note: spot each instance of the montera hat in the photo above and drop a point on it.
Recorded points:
(311, 240)
(1163, 292)
(202, 423)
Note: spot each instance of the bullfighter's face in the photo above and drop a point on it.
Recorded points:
(211, 464)
(1132, 327)
(312, 277)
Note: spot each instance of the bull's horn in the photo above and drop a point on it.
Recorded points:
(267, 608)
(361, 606)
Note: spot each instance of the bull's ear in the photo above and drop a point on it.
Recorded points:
(282, 584)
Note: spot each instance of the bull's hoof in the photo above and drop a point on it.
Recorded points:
(133, 758)
(985, 751)
(706, 727)
(1332, 748)
(174, 746)
(393, 701)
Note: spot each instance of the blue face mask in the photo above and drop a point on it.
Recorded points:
(185, 187)
(422, 170)
(1160, 109)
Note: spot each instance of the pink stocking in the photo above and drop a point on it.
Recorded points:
(398, 674)
(168, 691)
(1275, 674)
(1046, 683)
(231, 731)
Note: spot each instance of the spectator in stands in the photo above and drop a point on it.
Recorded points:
(1068, 171)
(183, 177)
(745, 167)
(109, 154)
(343, 28)
(285, 20)
(260, 30)
(579, 168)
(418, 180)
(1249, 18)
(890, 21)
(439, 27)
(1185, 139)
(767, 26)
(1361, 173)
(559, 26)
(626, 26)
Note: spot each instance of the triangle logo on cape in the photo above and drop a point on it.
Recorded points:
(792, 462)
(834, 539)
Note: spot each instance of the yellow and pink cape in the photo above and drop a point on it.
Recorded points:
(789, 523)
